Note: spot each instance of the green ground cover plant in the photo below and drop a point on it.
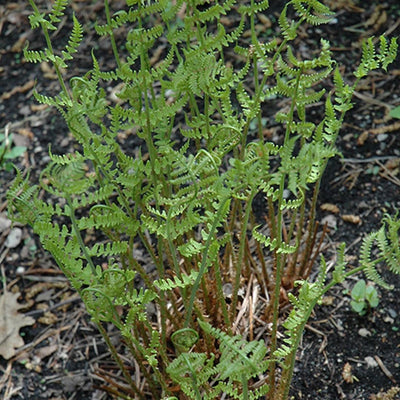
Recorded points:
(364, 297)
(185, 195)
(8, 151)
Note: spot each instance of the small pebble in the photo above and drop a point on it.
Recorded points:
(330, 220)
(388, 319)
(364, 332)
(371, 363)
(13, 238)
(392, 312)
(5, 223)
(20, 270)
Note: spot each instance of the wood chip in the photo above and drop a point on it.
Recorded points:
(18, 89)
(347, 373)
(386, 128)
(353, 219)
(330, 208)
(384, 369)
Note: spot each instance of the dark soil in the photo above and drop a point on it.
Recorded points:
(342, 355)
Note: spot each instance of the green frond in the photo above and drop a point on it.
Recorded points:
(191, 248)
(330, 125)
(285, 248)
(386, 239)
(234, 35)
(109, 249)
(181, 282)
(238, 357)
(66, 251)
(65, 159)
(393, 248)
(59, 101)
(371, 60)
(248, 105)
(340, 265)
(287, 89)
(191, 371)
(100, 305)
(106, 217)
(286, 70)
(324, 59)
(20, 198)
(58, 11)
(368, 60)
(137, 301)
(309, 295)
(66, 178)
(292, 204)
(35, 56)
(288, 28)
(143, 35)
(214, 12)
(321, 12)
(37, 19)
(369, 265)
(74, 40)
(122, 17)
(256, 7)
(265, 241)
(387, 55)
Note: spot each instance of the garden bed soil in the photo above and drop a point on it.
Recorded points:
(342, 355)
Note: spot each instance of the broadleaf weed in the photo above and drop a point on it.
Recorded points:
(178, 211)
(9, 152)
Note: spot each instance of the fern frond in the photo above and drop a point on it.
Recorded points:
(238, 357)
(288, 27)
(20, 198)
(392, 251)
(182, 282)
(35, 56)
(144, 35)
(74, 40)
(191, 371)
(265, 241)
(65, 159)
(58, 11)
(58, 101)
(309, 295)
(214, 12)
(109, 249)
(371, 60)
(321, 14)
(340, 265)
(387, 241)
(254, 8)
(365, 259)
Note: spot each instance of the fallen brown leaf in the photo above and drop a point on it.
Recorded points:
(393, 163)
(377, 18)
(10, 323)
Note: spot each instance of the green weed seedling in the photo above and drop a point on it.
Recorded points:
(9, 152)
(177, 210)
(395, 112)
(364, 297)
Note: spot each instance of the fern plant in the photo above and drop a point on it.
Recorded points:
(185, 195)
